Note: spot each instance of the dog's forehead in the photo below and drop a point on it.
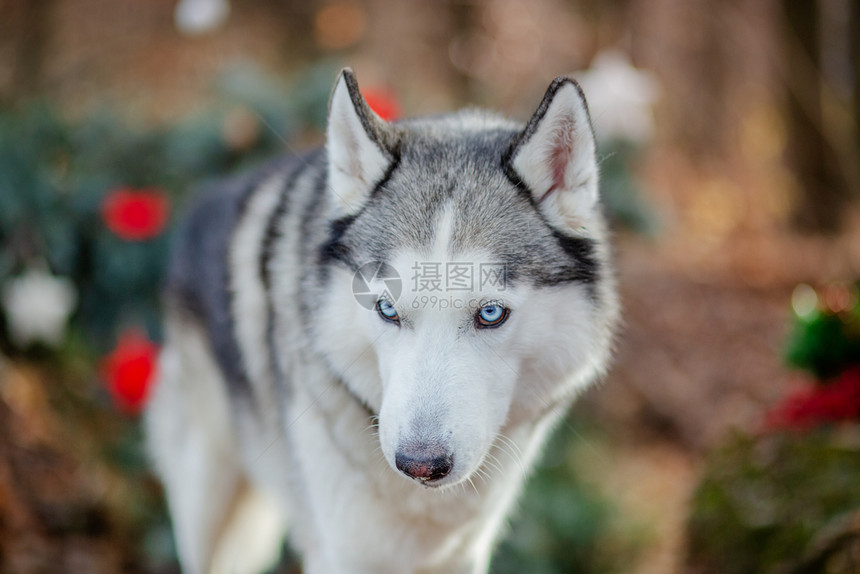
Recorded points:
(468, 205)
(434, 170)
(452, 189)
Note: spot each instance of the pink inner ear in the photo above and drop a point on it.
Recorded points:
(561, 152)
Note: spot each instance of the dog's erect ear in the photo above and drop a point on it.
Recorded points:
(555, 156)
(359, 146)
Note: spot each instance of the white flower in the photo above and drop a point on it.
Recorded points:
(37, 306)
(195, 17)
(620, 97)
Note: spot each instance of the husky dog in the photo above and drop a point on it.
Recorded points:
(370, 343)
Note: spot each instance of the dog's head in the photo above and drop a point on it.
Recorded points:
(464, 279)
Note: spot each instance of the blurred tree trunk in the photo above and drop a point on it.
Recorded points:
(855, 64)
(823, 189)
(297, 19)
(32, 40)
(462, 16)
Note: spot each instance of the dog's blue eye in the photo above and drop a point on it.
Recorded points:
(387, 311)
(491, 315)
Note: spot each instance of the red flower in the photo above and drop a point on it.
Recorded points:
(383, 102)
(135, 215)
(129, 371)
(835, 401)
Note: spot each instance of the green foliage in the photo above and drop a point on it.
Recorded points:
(564, 521)
(620, 192)
(54, 175)
(825, 343)
(779, 504)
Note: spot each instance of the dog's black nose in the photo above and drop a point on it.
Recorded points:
(422, 465)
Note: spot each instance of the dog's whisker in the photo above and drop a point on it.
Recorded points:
(473, 485)
(495, 463)
(508, 446)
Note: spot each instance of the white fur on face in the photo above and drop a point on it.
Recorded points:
(436, 378)
(446, 381)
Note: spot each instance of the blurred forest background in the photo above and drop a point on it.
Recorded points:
(725, 438)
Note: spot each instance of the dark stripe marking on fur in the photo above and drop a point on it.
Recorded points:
(580, 249)
(334, 249)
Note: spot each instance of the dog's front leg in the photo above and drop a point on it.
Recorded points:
(340, 525)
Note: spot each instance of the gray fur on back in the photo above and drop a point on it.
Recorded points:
(198, 275)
